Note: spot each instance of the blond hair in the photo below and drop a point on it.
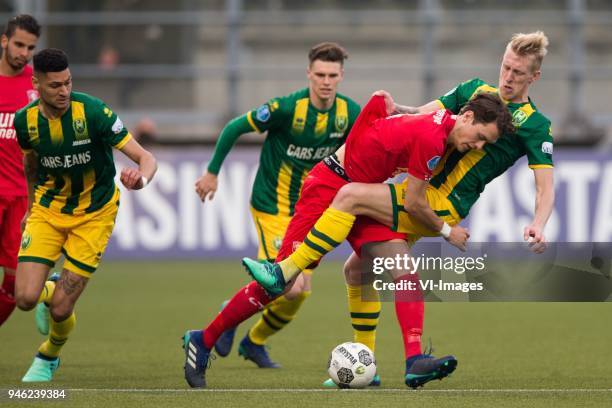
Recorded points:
(530, 44)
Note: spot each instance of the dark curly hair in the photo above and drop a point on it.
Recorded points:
(50, 60)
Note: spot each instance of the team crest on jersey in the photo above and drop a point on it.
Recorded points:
(26, 240)
(32, 95)
(341, 123)
(519, 117)
(433, 162)
(277, 242)
(263, 113)
(33, 132)
(547, 148)
(80, 129)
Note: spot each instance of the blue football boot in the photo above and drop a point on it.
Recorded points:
(197, 358)
(422, 368)
(255, 353)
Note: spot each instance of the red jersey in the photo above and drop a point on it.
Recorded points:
(15, 93)
(383, 147)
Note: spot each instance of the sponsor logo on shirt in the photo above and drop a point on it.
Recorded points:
(81, 142)
(437, 118)
(308, 153)
(547, 147)
(117, 126)
(263, 113)
(6, 126)
(433, 162)
(67, 161)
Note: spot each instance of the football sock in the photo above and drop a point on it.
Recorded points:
(245, 303)
(277, 314)
(58, 335)
(47, 292)
(330, 230)
(409, 309)
(364, 307)
(7, 297)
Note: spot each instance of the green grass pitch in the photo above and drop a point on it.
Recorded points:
(125, 351)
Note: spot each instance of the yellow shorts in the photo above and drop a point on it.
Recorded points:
(270, 231)
(438, 202)
(82, 239)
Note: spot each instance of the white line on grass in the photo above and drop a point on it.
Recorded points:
(306, 390)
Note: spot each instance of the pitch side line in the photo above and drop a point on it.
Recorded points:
(306, 390)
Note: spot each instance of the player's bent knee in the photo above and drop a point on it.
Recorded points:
(352, 270)
(61, 312)
(26, 301)
(347, 198)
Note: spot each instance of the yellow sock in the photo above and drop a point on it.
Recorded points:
(58, 335)
(331, 230)
(275, 316)
(47, 292)
(364, 314)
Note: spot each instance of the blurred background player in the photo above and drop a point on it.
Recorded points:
(18, 42)
(302, 128)
(72, 197)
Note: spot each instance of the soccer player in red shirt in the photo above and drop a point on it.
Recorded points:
(378, 146)
(18, 42)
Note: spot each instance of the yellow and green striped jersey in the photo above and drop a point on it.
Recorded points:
(462, 177)
(299, 136)
(75, 161)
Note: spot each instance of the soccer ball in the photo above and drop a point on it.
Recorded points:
(351, 365)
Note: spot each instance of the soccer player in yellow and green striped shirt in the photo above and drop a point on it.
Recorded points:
(67, 139)
(302, 128)
(457, 182)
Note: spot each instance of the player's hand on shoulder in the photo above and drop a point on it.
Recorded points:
(206, 186)
(389, 103)
(534, 235)
(132, 179)
(458, 237)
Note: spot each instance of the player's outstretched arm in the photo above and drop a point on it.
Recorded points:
(544, 203)
(428, 107)
(135, 179)
(416, 206)
(206, 184)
